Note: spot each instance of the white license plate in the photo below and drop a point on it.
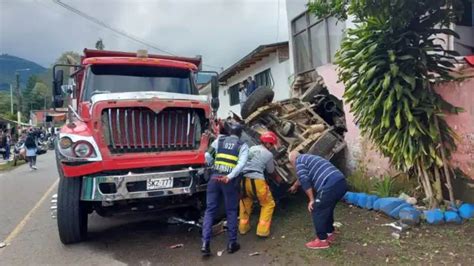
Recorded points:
(159, 183)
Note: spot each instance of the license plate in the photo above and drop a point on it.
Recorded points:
(159, 183)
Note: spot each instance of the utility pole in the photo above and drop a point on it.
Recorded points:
(20, 100)
(11, 98)
(18, 95)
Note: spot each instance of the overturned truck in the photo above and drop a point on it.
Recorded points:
(312, 123)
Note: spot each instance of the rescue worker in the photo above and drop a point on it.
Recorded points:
(229, 155)
(324, 185)
(254, 186)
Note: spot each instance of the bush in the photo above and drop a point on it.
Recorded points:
(359, 182)
(384, 187)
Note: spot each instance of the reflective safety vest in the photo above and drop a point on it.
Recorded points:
(227, 155)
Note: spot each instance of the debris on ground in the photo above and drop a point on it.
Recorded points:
(283, 237)
(176, 246)
(398, 226)
(396, 235)
(337, 224)
(220, 252)
(3, 244)
(177, 220)
(219, 228)
(254, 254)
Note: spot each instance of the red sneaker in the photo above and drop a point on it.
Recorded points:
(331, 238)
(318, 244)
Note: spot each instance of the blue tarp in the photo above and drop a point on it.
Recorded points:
(410, 215)
(434, 216)
(452, 217)
(466, 211)
(400, 209)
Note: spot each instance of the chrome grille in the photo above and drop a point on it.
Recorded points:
(142, 130)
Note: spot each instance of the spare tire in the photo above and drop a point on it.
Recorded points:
(260, 97)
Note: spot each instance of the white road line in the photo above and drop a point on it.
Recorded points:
(19, 227)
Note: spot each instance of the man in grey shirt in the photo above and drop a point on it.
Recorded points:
(260, 160)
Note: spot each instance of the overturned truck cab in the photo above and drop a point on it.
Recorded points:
(312, 123)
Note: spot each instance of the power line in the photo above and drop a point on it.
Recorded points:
(117, 30)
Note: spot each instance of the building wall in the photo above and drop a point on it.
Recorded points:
(360, 152)
(461, 94)
(294, 8)
(280, 73)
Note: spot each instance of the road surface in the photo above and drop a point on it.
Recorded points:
(32, 236)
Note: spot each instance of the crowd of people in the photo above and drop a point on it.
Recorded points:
(239, 178)
(28, 140)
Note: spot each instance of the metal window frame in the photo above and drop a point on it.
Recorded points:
(236, 85)
(266, 76)
(307, 29)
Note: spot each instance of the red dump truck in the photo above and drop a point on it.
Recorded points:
(135, 139)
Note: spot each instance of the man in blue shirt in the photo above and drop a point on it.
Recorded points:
(228, 156)
(324, 185)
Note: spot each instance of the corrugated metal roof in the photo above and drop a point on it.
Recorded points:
(253, 57)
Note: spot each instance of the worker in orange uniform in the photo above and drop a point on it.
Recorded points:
(254, 186)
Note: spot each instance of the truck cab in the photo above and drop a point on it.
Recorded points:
(135, 139)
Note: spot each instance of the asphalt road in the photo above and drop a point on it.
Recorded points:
(32, 236)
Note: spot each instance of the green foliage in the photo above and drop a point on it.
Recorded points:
(389, 64)
(99, 45)
(359, 182)
(384, 187)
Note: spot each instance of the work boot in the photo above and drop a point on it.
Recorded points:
(318, 244)
(206, 249)
(233, 247)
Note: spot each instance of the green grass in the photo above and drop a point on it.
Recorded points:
(9, 165)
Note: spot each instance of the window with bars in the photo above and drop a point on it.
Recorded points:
(315, 40)
(264, 78)
(234, 95)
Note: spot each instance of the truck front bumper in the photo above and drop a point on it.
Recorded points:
(134, 186)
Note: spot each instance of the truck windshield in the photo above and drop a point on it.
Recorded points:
(132, 78)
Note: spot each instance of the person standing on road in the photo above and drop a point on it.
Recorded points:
(324, 185)
(228, 155)
(254, 185)
(8, 144)
(31, 148)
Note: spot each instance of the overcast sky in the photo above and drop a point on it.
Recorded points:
(222, 31)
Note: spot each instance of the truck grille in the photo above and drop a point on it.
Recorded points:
(142, 130)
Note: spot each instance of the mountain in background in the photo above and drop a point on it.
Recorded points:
(10, 63)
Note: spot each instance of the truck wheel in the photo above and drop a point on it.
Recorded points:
(72, 214)
(260, 97)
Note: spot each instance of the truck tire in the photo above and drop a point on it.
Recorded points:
(260, 97)
(71, 213)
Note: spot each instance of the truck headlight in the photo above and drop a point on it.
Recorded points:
(83, 149)
(65, 143)
(78, 148)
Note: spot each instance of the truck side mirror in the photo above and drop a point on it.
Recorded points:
(58, 80)
(215, 93)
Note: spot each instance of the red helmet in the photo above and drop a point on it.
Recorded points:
(269, 137)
